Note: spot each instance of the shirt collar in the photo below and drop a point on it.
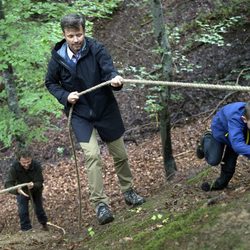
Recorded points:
(71, 54)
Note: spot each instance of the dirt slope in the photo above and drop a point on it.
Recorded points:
(180, 201)
(180, 196)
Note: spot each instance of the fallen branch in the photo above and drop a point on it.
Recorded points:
(216, 199)
(183, 153)
(13, 188)
(53, 225)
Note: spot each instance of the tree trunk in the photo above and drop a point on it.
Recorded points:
(165, 126)
(11, 92)
(1, 10)
(8, 80)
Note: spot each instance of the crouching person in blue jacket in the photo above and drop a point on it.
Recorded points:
(229, 137)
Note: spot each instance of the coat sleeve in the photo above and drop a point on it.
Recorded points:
(237, 138)
(53, 84)
(105, 62)
(11, 180)
(38, 176)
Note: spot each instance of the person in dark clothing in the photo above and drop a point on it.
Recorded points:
(229, 137)
(78, 63)
(27, 170)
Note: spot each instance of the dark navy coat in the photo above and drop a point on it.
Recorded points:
(228, 128)
(97, 109)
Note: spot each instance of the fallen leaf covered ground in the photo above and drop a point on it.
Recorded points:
(145, 157)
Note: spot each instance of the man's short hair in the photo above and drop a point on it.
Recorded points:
(24, 153)
(247, 110)
(73, 21)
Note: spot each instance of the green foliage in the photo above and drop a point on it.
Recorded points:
(183, 63)
(153, 107)
(12, 127)
(209, 27)
(212, 34)
(247, 76)
(246, 73)
(174, 34)
(152, 104)
(97, 8)
(141, 72)
(28, 32)
(39, 103)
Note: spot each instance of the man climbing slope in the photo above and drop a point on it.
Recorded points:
(77, 63)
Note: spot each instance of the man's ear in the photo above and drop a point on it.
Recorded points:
(244, 119)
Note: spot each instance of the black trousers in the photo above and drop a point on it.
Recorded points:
(23, 210)
(218, 153)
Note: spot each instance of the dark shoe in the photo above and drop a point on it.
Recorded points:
(26, 230)
(104, 215)
(45, 227)
(206, 186)
(199, 148)
(132, 198)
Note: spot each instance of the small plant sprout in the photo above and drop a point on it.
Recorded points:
(60, 150)
(153, 108)
(165, 220)
(91, 232)
(137, 210)
(157, 217)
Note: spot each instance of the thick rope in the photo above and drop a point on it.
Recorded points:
(76, 168)
(189, 85)
(145, 82)
(172, 84)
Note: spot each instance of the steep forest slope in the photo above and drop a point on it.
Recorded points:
(177, 215)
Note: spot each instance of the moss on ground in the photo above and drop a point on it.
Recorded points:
(204, 227)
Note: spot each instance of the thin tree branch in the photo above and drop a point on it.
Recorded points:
(13, 188)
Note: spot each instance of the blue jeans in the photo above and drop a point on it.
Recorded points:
(219, 153)
(23, 210)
